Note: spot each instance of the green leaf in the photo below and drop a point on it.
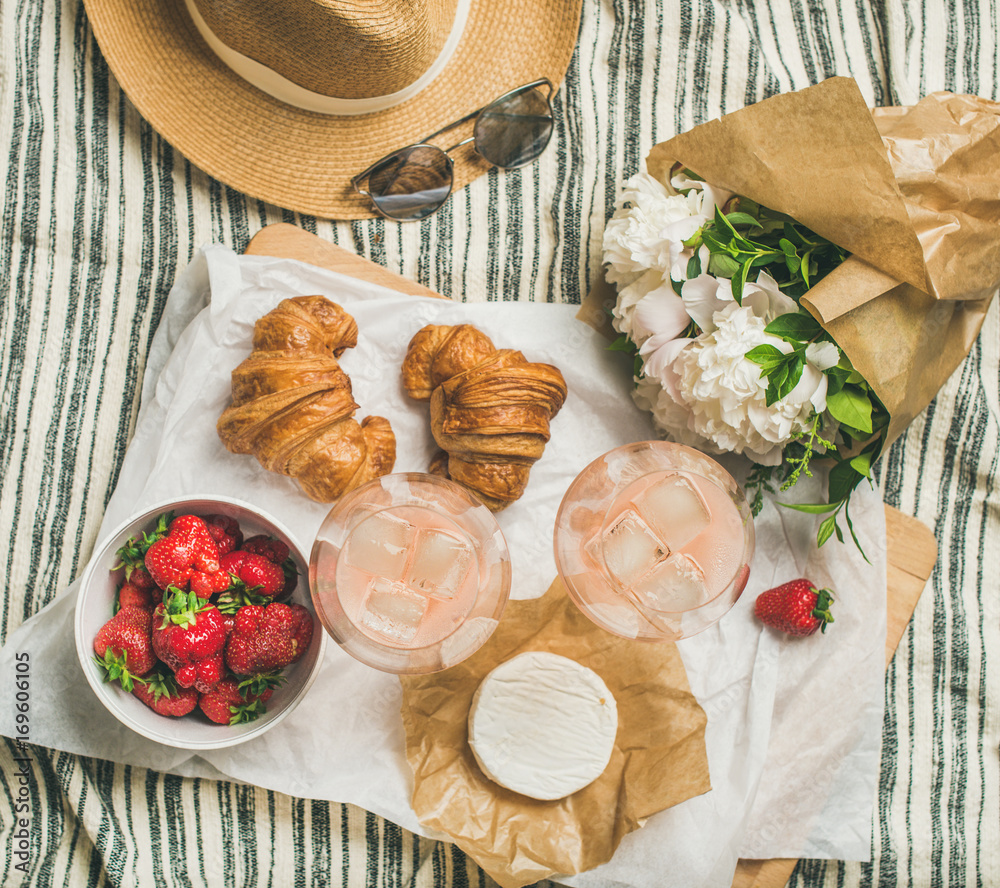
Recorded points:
(797, 326)
(743, 219)
(826, 529)
(765, 354)
(854, 536)
(811, 508)
(862, 463)
(622, 344)
(792, 377)
(740, 280)
(693, 266)
(722, 265)
(851, 407)
(843, 479)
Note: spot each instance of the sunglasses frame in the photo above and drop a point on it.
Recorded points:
(423, 143)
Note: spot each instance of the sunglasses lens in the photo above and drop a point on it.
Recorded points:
(412, 183)
(514, 130)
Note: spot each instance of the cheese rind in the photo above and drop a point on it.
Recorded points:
(543, 725)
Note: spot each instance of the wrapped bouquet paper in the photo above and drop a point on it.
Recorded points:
(801, 276)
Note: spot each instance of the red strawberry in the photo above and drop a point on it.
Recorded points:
(271, 548)
(796, 607)
(265, 639)
(139, 577)
(226, 532)
(276, 551)
(255, 572)
(187, 549)
(189, 635)
(130, 595)
(161, 694)
(229, 703)
(206, 585)
(123, 647)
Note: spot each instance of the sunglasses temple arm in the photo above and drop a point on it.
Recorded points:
(473, 114)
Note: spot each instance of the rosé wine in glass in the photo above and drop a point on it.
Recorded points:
(409, 573)
(654, 541)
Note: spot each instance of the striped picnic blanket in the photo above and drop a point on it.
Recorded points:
(99, 215)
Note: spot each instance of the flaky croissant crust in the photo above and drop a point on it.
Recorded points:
(292, 405)
(490, 409)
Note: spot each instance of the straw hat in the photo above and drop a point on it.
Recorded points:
(286, 100)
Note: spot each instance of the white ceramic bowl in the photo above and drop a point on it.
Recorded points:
(94, 608)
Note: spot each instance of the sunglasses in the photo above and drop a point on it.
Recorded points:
(415, 181)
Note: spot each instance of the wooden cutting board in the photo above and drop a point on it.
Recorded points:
(912, 548)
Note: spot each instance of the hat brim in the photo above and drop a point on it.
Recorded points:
(301, 160)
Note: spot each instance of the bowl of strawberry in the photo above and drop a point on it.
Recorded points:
(194, 623)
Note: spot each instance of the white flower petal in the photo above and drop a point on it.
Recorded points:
(703, 296)
(660, 312)
(822, 355)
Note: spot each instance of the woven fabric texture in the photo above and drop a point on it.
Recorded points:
(98, 217)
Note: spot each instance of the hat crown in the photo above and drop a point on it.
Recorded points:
(347, 49)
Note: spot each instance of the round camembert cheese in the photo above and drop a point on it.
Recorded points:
(543, 725)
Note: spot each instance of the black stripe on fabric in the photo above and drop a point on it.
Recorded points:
(536, 218)
(30, 19)
(459, 868)
(704, 31)
(655, 94)
(300, 828)
(494, 247)
(443, 256)
(392, 855)
(876, 50)
(970, 64)
(819, 26)
(320, 843)
(685, 28)
(345, 847)
(611, 139)
(174, 822)
(426, 233)
(570, 197)
(227, 824)
(372, 843)
(514, 240)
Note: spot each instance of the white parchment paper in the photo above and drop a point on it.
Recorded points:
(794, 725)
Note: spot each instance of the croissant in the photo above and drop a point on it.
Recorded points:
(292, 405)
(490, 409)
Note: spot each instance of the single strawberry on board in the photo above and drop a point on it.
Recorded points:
(189, 635)
(231, 704)
(186, 552)
(124, 648)
(161, 694)
(796, 607)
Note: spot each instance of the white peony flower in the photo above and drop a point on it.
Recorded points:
(647, 228)
(705, 389)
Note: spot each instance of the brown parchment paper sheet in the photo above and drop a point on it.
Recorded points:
(912, 193)
(659, 759)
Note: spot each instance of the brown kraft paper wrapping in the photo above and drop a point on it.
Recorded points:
(659, 759)
(912, 193)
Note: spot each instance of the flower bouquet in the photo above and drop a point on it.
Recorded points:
(797, 279)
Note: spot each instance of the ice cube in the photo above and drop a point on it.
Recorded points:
(630, 549)
(676, 584)
(393, 610)
(675, 510)
(379, 545)
(441, 562)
